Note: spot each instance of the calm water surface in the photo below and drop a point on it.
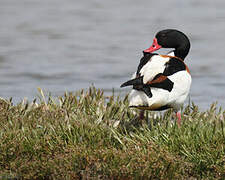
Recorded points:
(68, 45)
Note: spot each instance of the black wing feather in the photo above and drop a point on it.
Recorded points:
(144, 60)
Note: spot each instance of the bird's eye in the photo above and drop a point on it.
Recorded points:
(153, 45)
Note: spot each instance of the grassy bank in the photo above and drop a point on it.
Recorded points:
(88, 135)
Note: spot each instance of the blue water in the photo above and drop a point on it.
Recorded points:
(68, 45)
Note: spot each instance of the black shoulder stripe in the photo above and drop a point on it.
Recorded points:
(166, 84)
(147, 91)
(173, 65)
(157, 76)
(144, 60)
(161, 81)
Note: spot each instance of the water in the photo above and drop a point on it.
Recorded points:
(68, 45)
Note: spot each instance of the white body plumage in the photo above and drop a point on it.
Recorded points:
(161, 97)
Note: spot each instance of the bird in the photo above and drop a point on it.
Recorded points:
(162, 81)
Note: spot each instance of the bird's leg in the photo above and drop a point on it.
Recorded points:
(178, 114)
(141, 115)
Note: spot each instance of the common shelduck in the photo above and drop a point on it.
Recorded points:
(162, 81)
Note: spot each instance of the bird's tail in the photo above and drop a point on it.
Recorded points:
(133, 82)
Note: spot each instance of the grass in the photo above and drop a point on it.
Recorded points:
(85, 135)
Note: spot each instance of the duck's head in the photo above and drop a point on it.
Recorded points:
(171, 38)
